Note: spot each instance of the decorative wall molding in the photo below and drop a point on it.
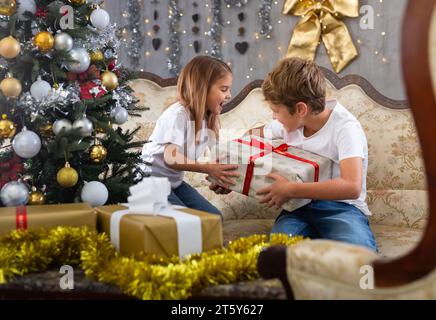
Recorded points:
(337, 82)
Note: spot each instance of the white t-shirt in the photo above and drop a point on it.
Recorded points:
(174, 126)
(340, 138)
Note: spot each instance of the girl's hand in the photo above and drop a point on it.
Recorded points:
(223, 173)
(218, 189)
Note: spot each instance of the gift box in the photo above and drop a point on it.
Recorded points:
(257, 157)
(47, 216)
(157, 234)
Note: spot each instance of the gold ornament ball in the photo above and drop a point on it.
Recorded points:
(44, 40)
(77, 2)
(8, 7)
(109, 80)
(96, 56)
(9, 47)
(36, 198)
(7, 128)
(46, 131)
(11, 87)
(67, 177)
(97, 153)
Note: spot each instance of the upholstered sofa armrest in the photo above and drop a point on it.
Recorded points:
(325, 259)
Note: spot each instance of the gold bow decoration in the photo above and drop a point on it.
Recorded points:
(321, 19)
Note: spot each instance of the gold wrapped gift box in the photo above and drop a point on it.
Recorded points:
(49, 216)
(157, 234)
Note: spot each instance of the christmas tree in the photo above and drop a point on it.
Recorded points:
(63, 96)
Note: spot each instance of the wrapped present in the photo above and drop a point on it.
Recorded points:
(257, 157)
(47, 216)
(149, 224)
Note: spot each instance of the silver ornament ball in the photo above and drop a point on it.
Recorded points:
(63, 42)
(26, 144)
(40, 89)
(120, 115)
(25, 6)
(100, 18)
(95, 193)
(85, 126)
(14, 193)
(81, 58)
(60, 124)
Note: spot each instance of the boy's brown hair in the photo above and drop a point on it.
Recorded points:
(296, 80)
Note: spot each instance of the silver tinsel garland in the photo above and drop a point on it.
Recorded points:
(235, 3)
(123, 98)
(264, 15)
(174, 41)
(136, 41)
(59, 99)
(105, 38)
(216, 29)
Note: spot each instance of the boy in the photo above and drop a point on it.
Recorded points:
(295, 91)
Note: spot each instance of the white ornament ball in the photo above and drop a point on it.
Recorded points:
(81, 58)
(40, 89)
(25, 6)
(100, 18)
(14, 193)
(60, 124)
(120, 115)
(85, 126)
(26, 144)
(95, 193)
(63, 42)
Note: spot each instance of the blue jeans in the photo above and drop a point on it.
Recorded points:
(327, 220)
(187, 196)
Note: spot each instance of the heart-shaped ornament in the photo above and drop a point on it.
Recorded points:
(156, 42)
(242, 47)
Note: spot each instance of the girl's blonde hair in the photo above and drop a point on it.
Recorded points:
(193, 86)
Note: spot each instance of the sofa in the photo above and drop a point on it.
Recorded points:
(396, 180)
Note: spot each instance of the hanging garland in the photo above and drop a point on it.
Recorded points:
(145, 276)
(174, 46)
(136, 40)
(216, 30)
(264, 15)
(235, 3)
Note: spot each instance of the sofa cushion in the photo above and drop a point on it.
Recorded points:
(399, 208)
(395, 241)
(392, 241)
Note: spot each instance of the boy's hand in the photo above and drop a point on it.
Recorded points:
(277, 193)
(218, 189)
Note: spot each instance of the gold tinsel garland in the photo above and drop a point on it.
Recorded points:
(145, 276)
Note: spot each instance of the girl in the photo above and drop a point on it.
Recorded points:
(187, 127)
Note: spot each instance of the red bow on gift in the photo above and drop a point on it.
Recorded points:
(90, 90)
(91, 74)
(41, 13)
(267, 148)
(10, 169)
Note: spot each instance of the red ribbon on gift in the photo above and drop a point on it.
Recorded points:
(267, 149)
(10, 169)
(21, 217)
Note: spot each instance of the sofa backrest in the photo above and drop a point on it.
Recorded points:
(396, 178)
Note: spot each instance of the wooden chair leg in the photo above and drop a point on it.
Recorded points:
(272, 264)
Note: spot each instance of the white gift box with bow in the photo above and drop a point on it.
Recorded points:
(150, 197)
